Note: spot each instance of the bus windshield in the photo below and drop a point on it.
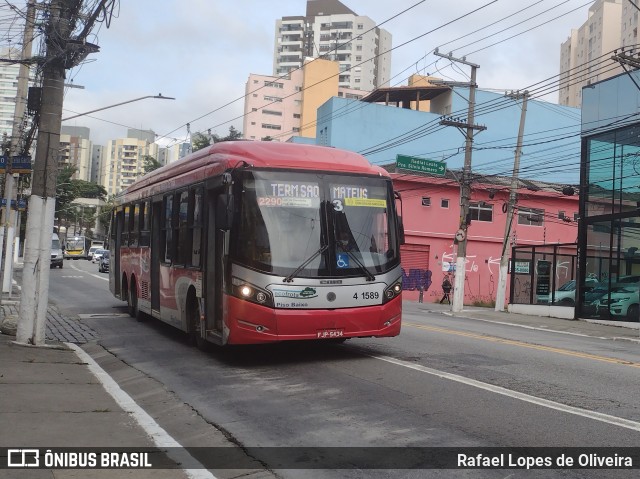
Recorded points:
(75, 244)
(339, 225)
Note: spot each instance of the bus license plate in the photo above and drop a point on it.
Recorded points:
(330, 333)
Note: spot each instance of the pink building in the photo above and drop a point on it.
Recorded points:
(431, 216)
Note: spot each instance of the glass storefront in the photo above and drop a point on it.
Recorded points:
(610, 226)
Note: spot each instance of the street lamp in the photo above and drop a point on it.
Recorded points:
(158, 96)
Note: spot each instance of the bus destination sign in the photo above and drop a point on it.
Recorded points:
(421, 165)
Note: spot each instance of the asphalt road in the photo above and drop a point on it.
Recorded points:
(444, 381)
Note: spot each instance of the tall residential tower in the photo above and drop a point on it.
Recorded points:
(332, 31)
(585, 57)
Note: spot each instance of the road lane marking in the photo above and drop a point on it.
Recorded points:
(512, 342)
(91, 274)
(606, 418)
(159, 436)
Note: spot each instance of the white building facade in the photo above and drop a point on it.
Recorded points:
(585, 56)
(331, 30)
(8, 91)
(123, 162)
(76, 150)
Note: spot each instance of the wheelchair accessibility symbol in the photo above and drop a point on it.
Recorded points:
(342, 260)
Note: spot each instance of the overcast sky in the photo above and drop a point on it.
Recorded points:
(201, 52)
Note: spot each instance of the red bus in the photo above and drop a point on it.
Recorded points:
(256, 242)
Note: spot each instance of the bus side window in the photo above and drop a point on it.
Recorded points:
(145, 224)
(180, 234)
(125, 228)
(195, 226)
(167, 228)
(134, 225)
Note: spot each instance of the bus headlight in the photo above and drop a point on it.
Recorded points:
(393, 291)
(247, 291)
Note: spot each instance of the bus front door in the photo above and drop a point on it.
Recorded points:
(214, 273)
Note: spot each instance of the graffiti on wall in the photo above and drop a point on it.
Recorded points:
(414, 278)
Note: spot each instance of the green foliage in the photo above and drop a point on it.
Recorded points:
(150, 164)
(68, 190)
(200, 140)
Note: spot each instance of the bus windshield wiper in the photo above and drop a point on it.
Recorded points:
(361, 267)
(322, 249)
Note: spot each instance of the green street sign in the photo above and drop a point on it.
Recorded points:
(421, 165)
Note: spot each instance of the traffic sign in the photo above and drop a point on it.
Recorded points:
(422, 165)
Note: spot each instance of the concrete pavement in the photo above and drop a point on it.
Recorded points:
(66, 394)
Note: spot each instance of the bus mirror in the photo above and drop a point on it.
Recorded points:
(400, 230)
(224, 212)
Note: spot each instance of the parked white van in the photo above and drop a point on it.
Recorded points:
(57, 256)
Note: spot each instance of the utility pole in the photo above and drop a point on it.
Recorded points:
(465, 184)
(37, 257)
(504, 259)
(9, 218)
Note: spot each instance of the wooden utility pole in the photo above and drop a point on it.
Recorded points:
(37, 257)
(504, 259)
(465, 184)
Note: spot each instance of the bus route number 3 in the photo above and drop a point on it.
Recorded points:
(367, 295)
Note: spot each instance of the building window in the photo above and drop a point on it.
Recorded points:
(274, 84)
(272, 112)
(296, 115)
(426, 201)
(480, 211)
(360, 26)
(530, 216)
(561, 215)
(444, 203)
(271, 127)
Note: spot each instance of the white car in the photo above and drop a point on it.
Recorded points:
(97, 254)
(92, 250)
(622, 302)
(565, 295)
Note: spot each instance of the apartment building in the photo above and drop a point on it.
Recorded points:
(76, 150)
(585, 56)
(8, 90)
(123, 160)
(279, 108)
(331, 30)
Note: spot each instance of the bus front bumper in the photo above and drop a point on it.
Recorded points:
(250, 323)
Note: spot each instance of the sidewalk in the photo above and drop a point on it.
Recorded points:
(61, 396)
(64, 396)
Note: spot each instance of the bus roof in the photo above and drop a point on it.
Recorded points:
(222, 156)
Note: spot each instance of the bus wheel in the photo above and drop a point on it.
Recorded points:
(193, 318)
(132, 302)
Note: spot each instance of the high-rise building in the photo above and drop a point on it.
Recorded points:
(333, 31)
(76, 150)
(9, 89)
(124, 160)
(585, 56)
(279, 108)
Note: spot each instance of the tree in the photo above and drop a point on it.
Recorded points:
(200, 141)
(149, 163)
(68, 190)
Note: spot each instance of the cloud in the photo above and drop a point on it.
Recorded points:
(202, 52)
